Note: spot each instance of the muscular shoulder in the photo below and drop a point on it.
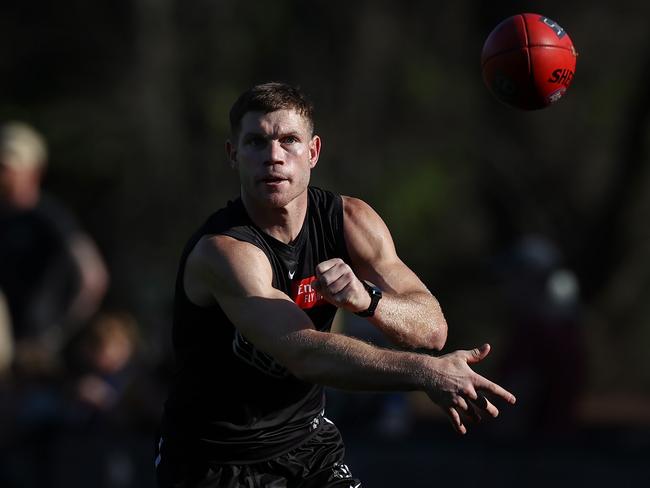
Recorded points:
(355, 207)
(221, 265)
(366, 234)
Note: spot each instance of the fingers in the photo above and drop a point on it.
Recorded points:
(333, 284)
(333, 276)
(464, 396)
(474, 405)
(325, 266)
(486, 385)
(340, 286)
(467, 411)
(456, 421)
(482, 404)
(461, 403)
(464, 410)
(478, 354)
(470, 409)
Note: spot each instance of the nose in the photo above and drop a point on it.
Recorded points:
(275, 153)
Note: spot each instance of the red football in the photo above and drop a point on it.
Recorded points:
(528, 61)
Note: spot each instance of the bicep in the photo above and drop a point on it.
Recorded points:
(372, 250)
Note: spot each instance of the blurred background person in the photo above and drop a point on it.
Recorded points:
(111, 406)
(103, 360)
(53, 280)
(107, 378)
(52, 274)
(546, 351)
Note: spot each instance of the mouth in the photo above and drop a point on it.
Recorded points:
(273, 180)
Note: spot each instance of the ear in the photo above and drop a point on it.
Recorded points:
(231, 152)
(314, 150)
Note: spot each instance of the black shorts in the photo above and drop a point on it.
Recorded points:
(317, 463)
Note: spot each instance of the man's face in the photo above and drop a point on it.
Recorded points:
(274, 155)
(19, 187)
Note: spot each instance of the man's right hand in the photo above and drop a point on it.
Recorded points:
(460, 391)
(340, 286)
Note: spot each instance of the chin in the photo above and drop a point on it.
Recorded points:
(278, 199)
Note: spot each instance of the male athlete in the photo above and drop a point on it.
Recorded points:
(257, 289)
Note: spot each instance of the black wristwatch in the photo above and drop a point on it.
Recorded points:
(375, 296)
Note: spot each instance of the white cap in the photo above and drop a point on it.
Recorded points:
(21, 147)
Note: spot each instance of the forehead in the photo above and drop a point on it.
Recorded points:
(278, 122)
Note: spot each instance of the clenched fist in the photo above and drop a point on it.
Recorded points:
(340, 286)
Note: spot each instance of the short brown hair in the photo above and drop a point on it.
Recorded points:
(269, 97)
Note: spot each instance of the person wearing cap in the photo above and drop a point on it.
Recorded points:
(52, 275)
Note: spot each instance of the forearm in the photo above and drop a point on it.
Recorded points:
(93, 279)
(411, 319)
(344, 362)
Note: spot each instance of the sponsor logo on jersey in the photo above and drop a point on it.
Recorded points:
(305, 295)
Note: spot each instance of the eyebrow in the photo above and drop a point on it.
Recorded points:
(279, 135)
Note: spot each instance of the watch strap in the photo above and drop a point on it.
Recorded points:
(375, 296)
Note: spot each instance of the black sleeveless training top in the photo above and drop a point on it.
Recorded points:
(234, 402)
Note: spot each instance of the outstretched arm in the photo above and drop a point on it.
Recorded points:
(408, 314)
(238, 277)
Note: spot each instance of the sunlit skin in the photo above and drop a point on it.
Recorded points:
(274, 155)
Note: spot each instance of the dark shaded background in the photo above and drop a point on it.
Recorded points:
(133, 99)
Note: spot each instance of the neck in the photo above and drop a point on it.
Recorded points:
(282, 223)
(21, 200)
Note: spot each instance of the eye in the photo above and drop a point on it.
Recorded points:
(255, 141)
(291, 139)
